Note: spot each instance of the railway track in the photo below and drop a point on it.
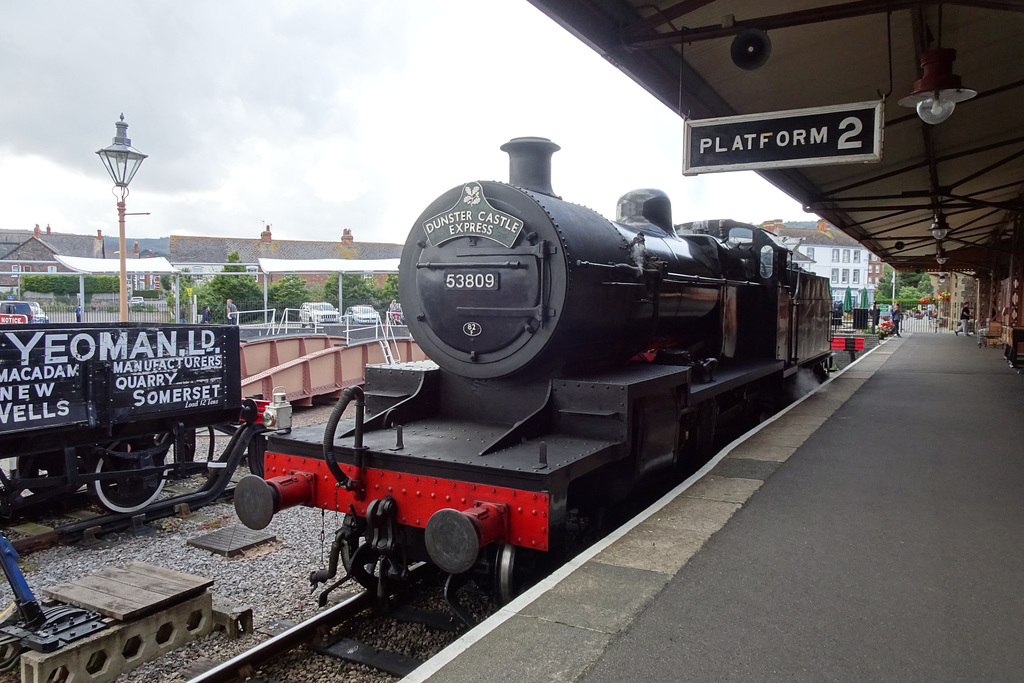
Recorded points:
(360, 632)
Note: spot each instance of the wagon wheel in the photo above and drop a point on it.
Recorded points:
(130, 491)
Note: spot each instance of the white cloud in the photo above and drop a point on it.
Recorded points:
(316, 116)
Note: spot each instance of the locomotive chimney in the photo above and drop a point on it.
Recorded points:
(529, 163)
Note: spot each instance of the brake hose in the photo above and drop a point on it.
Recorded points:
(332, 427)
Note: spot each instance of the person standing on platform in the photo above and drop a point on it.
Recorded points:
(897, 317)
(965, 316)
(875, 312)
(78, 314)
(206, 315)
(232, 313)
(181, 314)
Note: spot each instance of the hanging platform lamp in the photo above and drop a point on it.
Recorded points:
(939, 227)
(939, 89)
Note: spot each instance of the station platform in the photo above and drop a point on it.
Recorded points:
(872, 531)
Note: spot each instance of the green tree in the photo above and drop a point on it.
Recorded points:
(242, 290)
(355, 290)
(883, 290)
(389, 290)
(289, 292)
(910, 287)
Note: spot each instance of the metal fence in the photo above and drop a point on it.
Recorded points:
(155, 312)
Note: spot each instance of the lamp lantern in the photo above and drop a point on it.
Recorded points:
(937, 92)
(939, 227)
(121, 161)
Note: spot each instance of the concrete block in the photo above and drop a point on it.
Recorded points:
(107, 654)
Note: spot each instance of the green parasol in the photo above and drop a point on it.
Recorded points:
(848, 301)
(863, 298)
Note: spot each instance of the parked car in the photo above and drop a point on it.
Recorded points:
(30, 309)
(136, 301)
(362, 315)
(317, 313)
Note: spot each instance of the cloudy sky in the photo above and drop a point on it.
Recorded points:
(318, 115)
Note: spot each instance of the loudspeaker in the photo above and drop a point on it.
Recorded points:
(899, 245)
(751, 48)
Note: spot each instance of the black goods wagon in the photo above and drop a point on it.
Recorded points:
(101, 405)
(572, 358)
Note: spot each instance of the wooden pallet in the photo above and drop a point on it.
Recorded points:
(130, 592)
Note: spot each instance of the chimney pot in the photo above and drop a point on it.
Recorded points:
(47, 228)
(265, 236)
(36, 232)
(346, 237)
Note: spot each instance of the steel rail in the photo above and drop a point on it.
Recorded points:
(245, 665)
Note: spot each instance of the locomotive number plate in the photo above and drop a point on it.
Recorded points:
(472, 280)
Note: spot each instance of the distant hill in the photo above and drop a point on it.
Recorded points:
(161, 246)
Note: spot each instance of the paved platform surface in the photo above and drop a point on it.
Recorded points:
(871, 533)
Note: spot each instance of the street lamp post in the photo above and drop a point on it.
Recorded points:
(121, 162)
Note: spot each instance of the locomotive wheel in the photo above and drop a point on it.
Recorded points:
(129, 492)
(513, 572)
(504, 574)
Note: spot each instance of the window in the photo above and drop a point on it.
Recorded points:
(15, 268)
(26, 269)
(846, 276)
(741, 236)
(835, 275)
(835, 256)
(197, 269)
(810, 252)
(51, 269)
(856, 256)
(856, 277)
(846, 255)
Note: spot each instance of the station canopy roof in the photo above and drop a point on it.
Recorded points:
(105, 266)
(328, 265)
(970, 166)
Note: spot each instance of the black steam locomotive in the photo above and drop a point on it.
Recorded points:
(572, 357)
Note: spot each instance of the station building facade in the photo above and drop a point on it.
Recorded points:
(832, 254)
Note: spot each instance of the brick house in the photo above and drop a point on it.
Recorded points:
(22, 250)
(206, 255)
